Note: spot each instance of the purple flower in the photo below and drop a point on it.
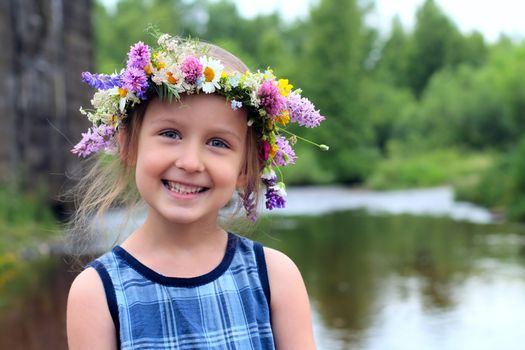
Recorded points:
(94, 140)
(275, 192)
(303, 112)
(248, 202)
(102, 81)
(192, 69)
(285, 155)
(138, 55)
(136, 80)
(271, 99)
(275, 197)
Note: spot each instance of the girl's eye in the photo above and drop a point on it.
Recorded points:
(170, 134)
(217, 143)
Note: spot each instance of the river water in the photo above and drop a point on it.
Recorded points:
(384, 270)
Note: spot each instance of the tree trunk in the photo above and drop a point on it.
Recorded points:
(46, 44)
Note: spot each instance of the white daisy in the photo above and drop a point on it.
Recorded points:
(163, 39)
(212, 70)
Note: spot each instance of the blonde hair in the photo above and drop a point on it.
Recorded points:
(109, 180)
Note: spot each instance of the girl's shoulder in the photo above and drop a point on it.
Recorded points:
(289, 303)
(281, 268)
(89, 323)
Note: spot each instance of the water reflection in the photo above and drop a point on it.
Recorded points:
(376, 282)
(406, 282)
(32, 304)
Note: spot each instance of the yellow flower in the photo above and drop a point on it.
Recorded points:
(268, 74)
(158, 64)
(122, 92)
(224, 74)
(209, 74)
(269, 124)
(284, 118)
(285, 87)
(148, 69)
(274, 149)
(171, 78)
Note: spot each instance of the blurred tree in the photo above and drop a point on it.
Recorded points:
(332, 69)
(435, 43)
(392, 66)
(385, 105)
(475, 49)
(116, 30)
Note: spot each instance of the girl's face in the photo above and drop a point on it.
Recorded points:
(190, 157)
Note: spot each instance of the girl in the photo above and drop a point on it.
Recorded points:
(191, 125)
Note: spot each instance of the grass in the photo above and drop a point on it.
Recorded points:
(25, 218)
(428, 169)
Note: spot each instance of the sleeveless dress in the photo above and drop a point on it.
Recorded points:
(227, 308)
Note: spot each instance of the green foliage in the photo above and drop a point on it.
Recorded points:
(25, 217)
(115, 31)
(436, 43)
(385, 104)
(308, 170)
(489, 188)
(431, 168)
(474, 108)
(393, 67)
(502, 185)
(333, 80)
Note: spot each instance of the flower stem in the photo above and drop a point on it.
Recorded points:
(323, 147)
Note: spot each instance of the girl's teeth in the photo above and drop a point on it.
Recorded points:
(173, 186)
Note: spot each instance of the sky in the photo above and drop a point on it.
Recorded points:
(491, 18)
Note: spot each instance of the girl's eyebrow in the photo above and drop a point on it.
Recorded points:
(163, 120)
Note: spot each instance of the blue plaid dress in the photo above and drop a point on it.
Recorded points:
(227, 308)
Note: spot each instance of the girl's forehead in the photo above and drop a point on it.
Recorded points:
(195, 104)
(199, 109)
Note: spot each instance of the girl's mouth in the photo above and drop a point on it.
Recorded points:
(183, 189)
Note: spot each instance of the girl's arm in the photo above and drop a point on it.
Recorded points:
(89, 323)
(290, 308)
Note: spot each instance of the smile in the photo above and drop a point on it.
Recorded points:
(183, 189)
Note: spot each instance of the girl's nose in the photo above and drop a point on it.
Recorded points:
(189, 159)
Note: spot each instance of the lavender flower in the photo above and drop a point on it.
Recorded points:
(102, 81)
(139, 55)
(275, 196)
(270, 98)
(285, 155)
(303, 112)
(275, 191)
(192, 69)
(136, 80)
(94, 140)
(248, 202)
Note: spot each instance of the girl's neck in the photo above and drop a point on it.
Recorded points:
(157, 233)
(177, 250)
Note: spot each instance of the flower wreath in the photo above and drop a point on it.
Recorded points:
(180, 66)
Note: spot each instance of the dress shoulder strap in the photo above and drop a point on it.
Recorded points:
(109, 290)
(262, 269)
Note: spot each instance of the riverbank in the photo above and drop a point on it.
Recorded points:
(436, 201)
